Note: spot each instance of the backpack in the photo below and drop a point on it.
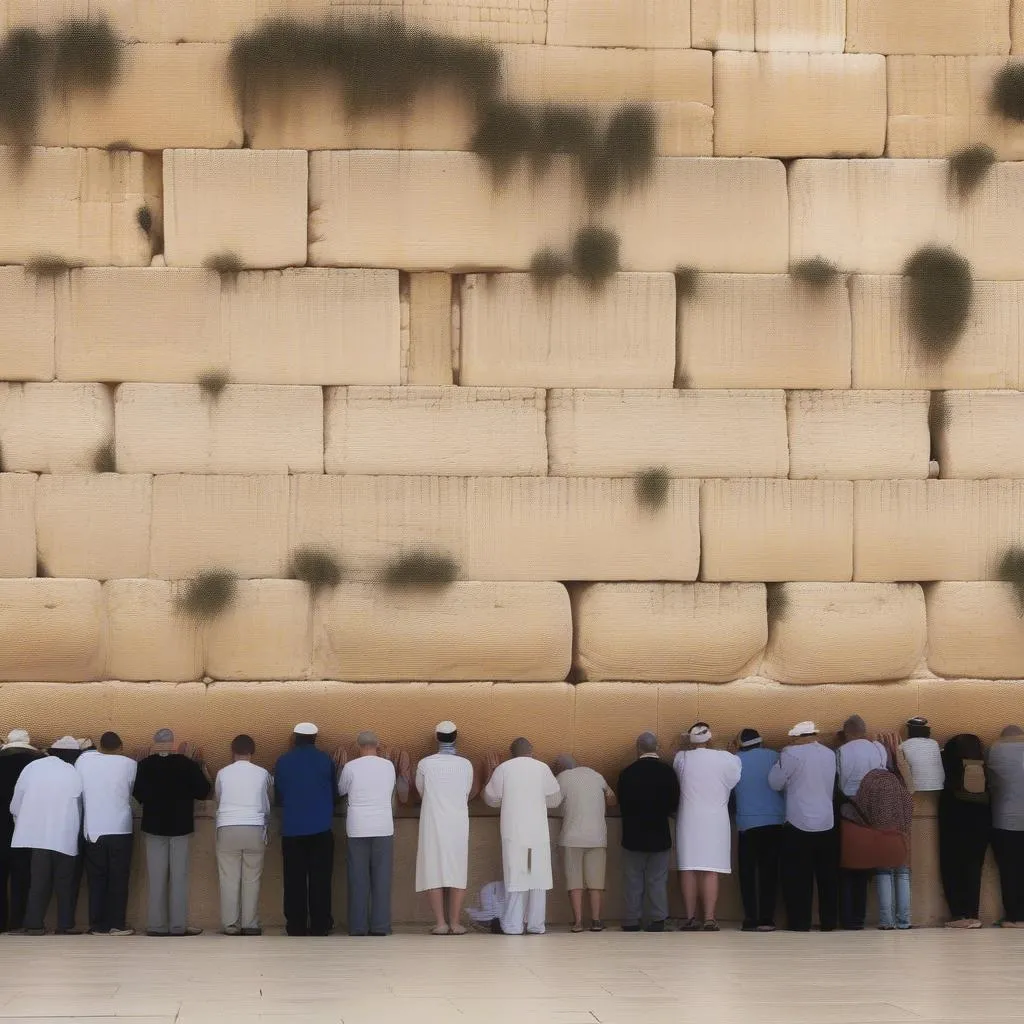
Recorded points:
(974, 784)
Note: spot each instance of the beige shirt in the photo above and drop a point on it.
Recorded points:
(583, 808)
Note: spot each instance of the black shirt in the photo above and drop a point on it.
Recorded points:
(167, 786)
(648, 793)
(12, 763)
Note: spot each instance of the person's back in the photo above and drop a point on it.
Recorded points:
(107, 782)
(168, 785)
(855, 759)
(925, 759)
(446, 781)
(369, 783)
(46, 807)
(304, 784)
(13, 762)
(882, 802)
(707, 776)
(1006, 780)
(243, 795)
(809, 771)
(583, 808)
(757, 804)
(648, 793)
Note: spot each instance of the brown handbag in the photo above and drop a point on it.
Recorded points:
(865, 849)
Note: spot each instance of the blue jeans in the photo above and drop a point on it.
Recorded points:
(893, 884)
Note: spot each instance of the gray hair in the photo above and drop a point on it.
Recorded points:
(367, 738)
(854, 726)
(163, 736)
(564, 762)
(647, 743)
(1012, 730)
(521, 747)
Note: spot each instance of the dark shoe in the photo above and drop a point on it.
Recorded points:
(380, 935)
(496, 926)
(69, 931)
(691, 924)
(34, 931)
(711, 926)
(252, 931)
(748, 926)
(597, 926)
(188, 932)
(655, 926)
(156, 935)
(631, 927)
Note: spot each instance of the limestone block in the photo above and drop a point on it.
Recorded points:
(313, 327)
(94, 525)
(53, 428)
(763, 331)
(722, 24)
(700, 632)
(619, 23)
(265, 634)
(983, 437)
(79, 205)
(248, 428)
(147, 637)
(847, 633)
(26, 325)
(799, 104)
(516, 336)
(506, 631)
(887, 355)
(449, 431)
(476, 19)
(1016, 27)
(690, 433)
(430, 329)
(927, 26)
(17, 524)
(431, 211)
(858, 435)
(149, 324)
(800, 26)
(609, 718)
(54, 630)
(776, 530)
(905, 529)
(975, 630)
(251, 203)
(238, 523)
(983, 707)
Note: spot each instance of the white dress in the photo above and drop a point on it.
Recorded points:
(703, 832)
(444, 781)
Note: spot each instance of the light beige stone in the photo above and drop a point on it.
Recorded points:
(847, 633)
(448, 431)
(858, 435)
(800, 26)
(935, 529)
(886, 353)
(927, 26)
(513, 334)
(689, 433)
(26, 325)
(776, 530)
(763, 331)
(251, 203)
(247, 428)
(236, 523)
(1016, 27)
(313, 327)
(700, 632)
(983, 437)
(722, 24)
(148, 324)
(430, 329)
(79, 205)
(619, 23)
(799, 104)
(94, 525)
(17, 524)
(500, 631)
(975, 630)
(54, 428)
(475, 19)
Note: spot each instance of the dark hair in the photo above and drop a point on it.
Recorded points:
(965, 746)
(303, 740)
(446, 737)
(243, 746)
(918, 731)
(110, 742)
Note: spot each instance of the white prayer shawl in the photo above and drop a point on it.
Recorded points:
(524, 788)
(442, 853)
(47, 807)
(703, 832)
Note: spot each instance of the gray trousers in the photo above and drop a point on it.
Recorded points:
(369, 885)
(645, 881)
(52, 872)
(240, 852)
(167, 869)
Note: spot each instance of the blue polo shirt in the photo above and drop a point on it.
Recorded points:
(757, 803)
(304, 787)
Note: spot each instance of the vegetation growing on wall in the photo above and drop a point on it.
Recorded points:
(940, 292)
(144, 218)
(777, 602)
(547, 267)
(228, 264)
(687, 279)
(969, 167)
(318, 567)
(1011, 570)
(651, 487)
(208, 594)
(420, 569)
(23, 61)
(816, 272)
(213, 382)
(938, 420)
(595, 255)
(50, 266)
(86, 56)
(104, 459)
(1007, 96)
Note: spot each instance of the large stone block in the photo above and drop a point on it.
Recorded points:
(476, 19)
(619, 23)
(247, 428)
(251, 203)
(983, 436)
(800, 26)
(722, 24)
(237, 523)
(776, 530)
(448, 431)
(313, 327)
(887, 355)
(609, 718)
(975, 630)
(17, 524)
(699, 632)
(54, 428)
(690, 433)
(26, 325)
(858, 435)
(430, 330)
(763, 331)
(514, 335)
(983, 707)
(53, 630)
(143, 324)
(79, 205)
(935, 529)
(927, 26)
(799, 104)
(94, 525)
(847, 633)
(498, 631)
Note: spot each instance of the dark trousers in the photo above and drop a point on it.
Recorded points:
(308, 863)
(108, 864)
(853, 898)
(15, 873)
(369, 884)
(964, 834)
(52, 873)
(809, 858)
(759, 873)
(1008, 848)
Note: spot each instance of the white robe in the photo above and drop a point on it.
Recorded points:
(524, 788)
(47, 807)
(703, 831)
(444, 781)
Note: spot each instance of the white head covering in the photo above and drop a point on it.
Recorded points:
(18, 739)
(306, 729)
(700, 734)
(66, 743)
(804, 729)
(446, 728)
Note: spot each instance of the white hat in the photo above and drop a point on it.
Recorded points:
(804, 729)
(445, 728)
(306, 729)
(700, 734)
(18, 738)
(66, 743)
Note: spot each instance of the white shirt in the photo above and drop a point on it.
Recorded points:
(369, 784)
(47, 807)
(806, 774)
(583, 808)
(243, 795)
(925, 760)
(107, 781)
(855, 759)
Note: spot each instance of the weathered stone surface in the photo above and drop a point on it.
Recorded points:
(619, 23)
(983, 436)
(722, 24)
(17, 524)
(927, 26)
(430, 330)
(26, 325)
(800, 26)
(974, 630)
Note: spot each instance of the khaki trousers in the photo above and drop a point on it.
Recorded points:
(240, 852)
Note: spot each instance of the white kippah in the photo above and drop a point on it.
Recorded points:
(306, 729)
(804, 729)
(445, 728)
(700, 734)
(66, 743)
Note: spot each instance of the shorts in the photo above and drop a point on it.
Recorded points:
(584, 868)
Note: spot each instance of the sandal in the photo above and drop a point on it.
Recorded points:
(597, 926)
(690, 925)
(439, 929)
(711, 926)
(459, 929)
(576, 929)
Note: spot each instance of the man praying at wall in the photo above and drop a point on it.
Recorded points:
(15, 863)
